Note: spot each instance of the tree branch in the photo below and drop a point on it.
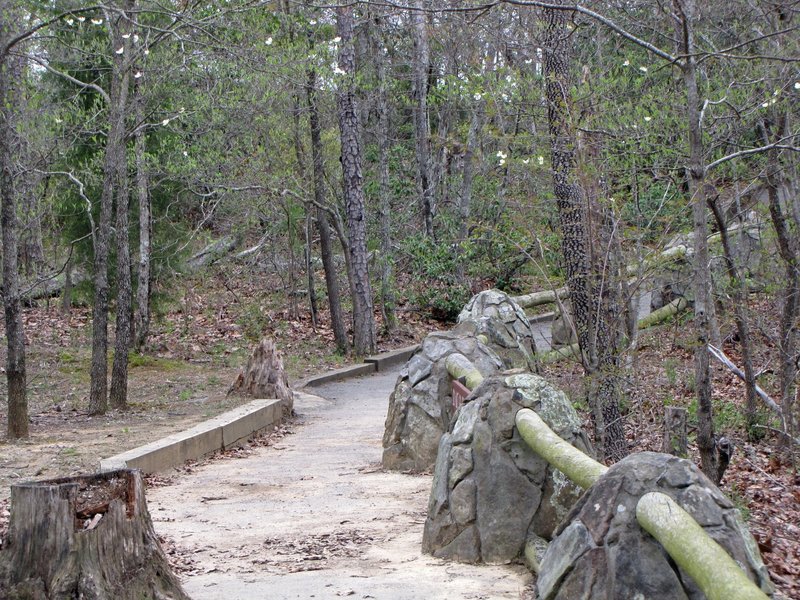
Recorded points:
(777, 145)
(71, 79)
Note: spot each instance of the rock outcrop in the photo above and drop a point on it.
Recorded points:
(491, 493)
(600, 551)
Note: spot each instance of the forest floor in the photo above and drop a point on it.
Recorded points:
(204, 334)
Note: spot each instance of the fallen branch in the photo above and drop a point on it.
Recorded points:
(721, 357)
(538, 298)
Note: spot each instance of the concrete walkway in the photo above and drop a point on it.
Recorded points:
(315, 517)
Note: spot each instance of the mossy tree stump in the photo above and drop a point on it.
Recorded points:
(85, 537)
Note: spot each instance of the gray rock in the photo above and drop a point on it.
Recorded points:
(495, 315)
(518, 496)
(460, 464)
(419, 368)
(564, 552)
(600, 552)
(464, 502)
(494, 334)
(562, 331)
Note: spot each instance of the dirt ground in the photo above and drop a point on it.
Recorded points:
(314, 515)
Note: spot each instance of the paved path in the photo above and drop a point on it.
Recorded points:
(315, 517)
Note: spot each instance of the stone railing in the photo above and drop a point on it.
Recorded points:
(690, 547)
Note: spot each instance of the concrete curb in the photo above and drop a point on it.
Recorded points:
(237, 425)
(386, 360)
(371, 364)
(541, 317)
(339, 374)
(225, 431)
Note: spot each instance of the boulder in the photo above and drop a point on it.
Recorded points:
(491, 493)
(494, 334)
(420, 407)
(600, 552)
(506, 329)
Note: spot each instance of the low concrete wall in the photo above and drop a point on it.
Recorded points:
(387, 360)
(226, 430)
(237, 425)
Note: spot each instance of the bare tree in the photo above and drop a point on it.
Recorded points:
(11, 67)
(323, 224)
(141, 324)
(422, 129)
(114, 161)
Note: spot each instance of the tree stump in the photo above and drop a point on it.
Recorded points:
(265, 377)
(84, 537)
(675, 438)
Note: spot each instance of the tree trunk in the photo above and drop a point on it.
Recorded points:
(789, 250)
(265, 377)
(363, 317)
(10, 72)
(325, 242)
(114, 157)
(701, 280)
(84, 537)
(465, 198)
(118, 395)
(590, 318)
(739, 297)
(422, 130)
(388, 299)
(309, 256)
(141, 323)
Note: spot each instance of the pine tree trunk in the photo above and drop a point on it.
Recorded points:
(323, 224)
(118, 395)
(422, 131)
(352, 179)
(141, 326)
(84, 537)
(588, 307)
(10, 70)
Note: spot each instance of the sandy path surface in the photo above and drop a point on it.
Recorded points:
(314, 516)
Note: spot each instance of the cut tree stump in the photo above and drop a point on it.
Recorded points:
(675, 434)
(87, 537)
(265, 377)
